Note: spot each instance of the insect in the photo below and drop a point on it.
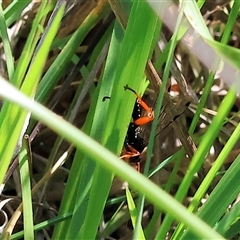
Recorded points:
(105, 98)
(134, 143)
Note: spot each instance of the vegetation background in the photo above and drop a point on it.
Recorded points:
(74, 59)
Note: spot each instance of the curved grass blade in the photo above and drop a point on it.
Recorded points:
(108, 160)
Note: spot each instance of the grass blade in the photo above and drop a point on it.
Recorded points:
(6, 44)
(104, 157)
(134, 216)
(223, 194)
(26, 190)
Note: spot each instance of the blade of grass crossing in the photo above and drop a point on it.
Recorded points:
(104, 157)
(228, 53)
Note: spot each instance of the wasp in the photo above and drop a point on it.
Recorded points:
(134, 143)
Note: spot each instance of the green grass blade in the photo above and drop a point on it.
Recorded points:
(101, 178)
(200, 3)
(6, 44)
(30, 45)
(42, 225)
(219, 161)
(231, 21)
(77, 180)
(228, 53)
(221, 197)
(10, 132)
(14, 11)
(12, 116)
(134, 216)
(37, 65)
(167, 221)
(212, 173)
(26, 191)
(124, 68)
(98, 100)
(201, 37)
(215, 168)
(228, 226)
(57, 68)
(207, 89)
(104, 157)
(204, 147)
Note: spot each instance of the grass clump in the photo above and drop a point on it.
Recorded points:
(65, 177)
